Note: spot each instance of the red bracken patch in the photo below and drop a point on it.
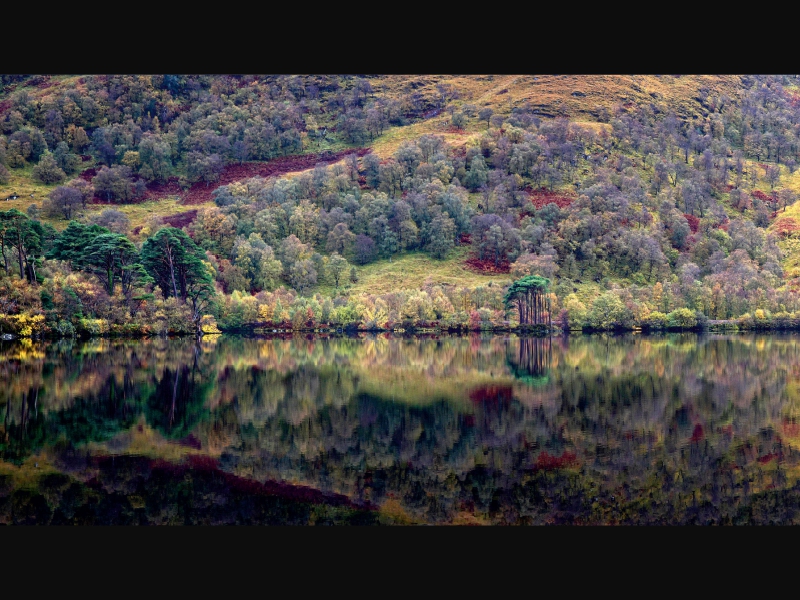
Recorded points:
(492, 394)
(200, 193)
(790, 428)
(548, 462)
(179, 220)
(767, 458)
(694, 222)
(542, 197)
(204, 466)
(40, 81)
(159, 190)
(787, 227)
(89, 174)
(487, 266)
(760, 195)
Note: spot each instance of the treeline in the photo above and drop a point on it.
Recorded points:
(89, 279)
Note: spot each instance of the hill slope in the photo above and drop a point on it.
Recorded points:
(637, 195)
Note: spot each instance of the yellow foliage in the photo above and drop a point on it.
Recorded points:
(208, 324)
(95, 326)
(265, 312)
(23, 324)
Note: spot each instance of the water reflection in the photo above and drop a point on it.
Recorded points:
(532, 359)
(477, 429)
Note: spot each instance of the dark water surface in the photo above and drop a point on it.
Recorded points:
(383, 430)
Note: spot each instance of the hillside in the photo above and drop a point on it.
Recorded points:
(579, 98)
(391, 199)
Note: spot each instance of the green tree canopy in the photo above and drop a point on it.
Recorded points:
(71, 245)
(529, 296)
(178, 267)
(27, 237)
(113, 257)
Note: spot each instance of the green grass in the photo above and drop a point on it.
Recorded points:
(412, 270)
(22, 183)
(390, 140)
(140, 214)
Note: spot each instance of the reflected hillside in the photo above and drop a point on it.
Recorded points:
(675, 428)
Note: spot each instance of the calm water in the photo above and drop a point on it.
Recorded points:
(381, 429)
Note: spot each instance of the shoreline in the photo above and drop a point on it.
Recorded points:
(728, 326)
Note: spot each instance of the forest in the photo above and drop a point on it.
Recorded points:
(198, 204)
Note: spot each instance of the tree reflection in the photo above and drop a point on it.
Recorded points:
(531, 360)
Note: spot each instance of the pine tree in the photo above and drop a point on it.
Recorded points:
(178, 267)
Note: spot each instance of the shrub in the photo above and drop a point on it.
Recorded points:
(657, 320)
(65, 329)
(93, 326)
(681, 318)
(208, 324)
(22, 325)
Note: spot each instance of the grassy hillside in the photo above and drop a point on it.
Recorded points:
(415, 269)
(575, 96)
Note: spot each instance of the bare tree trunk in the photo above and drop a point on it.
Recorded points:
(3, 250)
(20, 251)
(172, 271)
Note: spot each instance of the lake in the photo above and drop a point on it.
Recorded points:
(382, 429)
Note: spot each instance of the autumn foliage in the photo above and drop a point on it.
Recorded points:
(787, 227)
(694, 222)
(548, 462)
(543, 197)
(487, 266)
